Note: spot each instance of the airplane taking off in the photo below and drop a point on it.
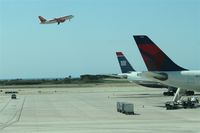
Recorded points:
(162, 69)
(132, 76)
(55, 20)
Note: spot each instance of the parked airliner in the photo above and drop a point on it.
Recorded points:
(162, 69)
(133, 76)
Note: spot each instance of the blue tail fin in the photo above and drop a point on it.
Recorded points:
(124, 64)
(154, 58)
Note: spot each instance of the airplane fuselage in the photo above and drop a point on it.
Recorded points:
(189, 80)
(57, 20)
(136, 78)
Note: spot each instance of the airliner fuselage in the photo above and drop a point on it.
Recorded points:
(189, 80)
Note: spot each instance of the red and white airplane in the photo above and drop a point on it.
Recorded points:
(55, 20)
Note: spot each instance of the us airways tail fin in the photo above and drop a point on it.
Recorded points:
(154, 58)
(123, 62)
(42, 20)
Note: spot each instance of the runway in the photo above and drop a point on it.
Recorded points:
(93, 110)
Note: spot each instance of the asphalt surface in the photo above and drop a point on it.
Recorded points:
(93, 110)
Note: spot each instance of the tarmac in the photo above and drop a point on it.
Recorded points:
(92, 109)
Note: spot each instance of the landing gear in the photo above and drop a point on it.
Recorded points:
(171, 91)
(189, 93)
(168, 93)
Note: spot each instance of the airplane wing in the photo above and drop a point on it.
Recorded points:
(115, 76)
(51, 21)
(67, 17)
(161, 76)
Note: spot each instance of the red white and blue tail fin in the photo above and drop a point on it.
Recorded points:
(124, 63)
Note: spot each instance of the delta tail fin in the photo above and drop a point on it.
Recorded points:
(42, 19)
(154, 58)
(123, 62)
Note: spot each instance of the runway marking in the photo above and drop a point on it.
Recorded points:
(15, 118)
(5, 106)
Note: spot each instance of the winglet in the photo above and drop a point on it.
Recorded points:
(154, 58)
(123, 62)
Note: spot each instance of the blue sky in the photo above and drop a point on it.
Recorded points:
(87, 44)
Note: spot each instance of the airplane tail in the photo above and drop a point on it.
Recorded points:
(42, 20)
(154, 58)
(123, 62)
